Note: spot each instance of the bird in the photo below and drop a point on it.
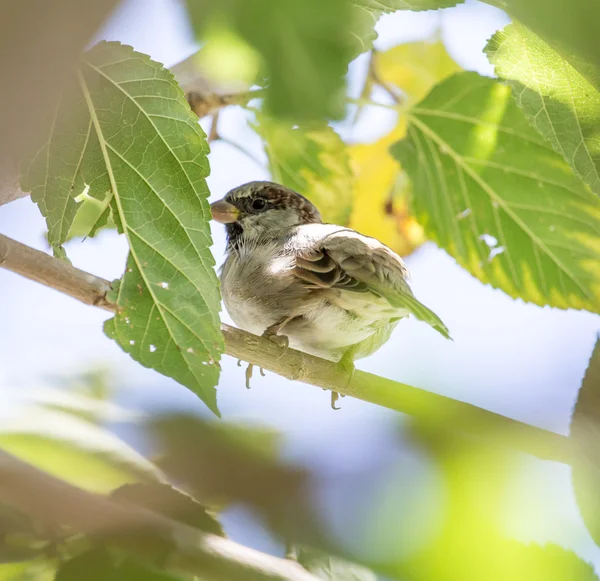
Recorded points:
(323, 289)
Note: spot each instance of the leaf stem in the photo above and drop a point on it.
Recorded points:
(432, 409)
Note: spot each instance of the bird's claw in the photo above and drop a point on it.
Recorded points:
(279, 340)
(248, 374)
(334, 397)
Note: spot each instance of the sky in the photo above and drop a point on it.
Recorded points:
(519, 360)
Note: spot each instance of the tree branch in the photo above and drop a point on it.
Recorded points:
(56, 502)
(436, 410)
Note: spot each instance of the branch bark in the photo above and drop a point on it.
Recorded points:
(56, 502)
(432, 409)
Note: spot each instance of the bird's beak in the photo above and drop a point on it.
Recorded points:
(224, 212)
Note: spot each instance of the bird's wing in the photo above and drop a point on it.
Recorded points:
(345, 259)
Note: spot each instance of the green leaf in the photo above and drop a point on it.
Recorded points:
(570, 27)
(305, 47)
(489, 190)
(393, 5)
(585, 435)
(64, 166)
(556, 99)
(133, 133)
(331, 568)
(74, 450)
(312, 160)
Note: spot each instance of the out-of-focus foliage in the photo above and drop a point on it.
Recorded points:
(171, 502)
(381, 192)
(556, 99)
(232, 464)
(99, 565)
(469, 541)
(330, 568)
(61, 432)
(168, 298)
(585, 433)
(492, 192)
(305, 47)
(37, 570)
(312, 160)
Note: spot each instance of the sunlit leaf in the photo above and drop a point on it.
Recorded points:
(393, 5)
(305, 47)
(313, 161)
(74, 450)
(380, 199)
(129, 129)
(568, 26)
(470, 540)
(38, 570)
(556, 99)
(489, 190)
(585, 435)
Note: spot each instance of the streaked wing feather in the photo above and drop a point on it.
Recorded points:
(347, 260)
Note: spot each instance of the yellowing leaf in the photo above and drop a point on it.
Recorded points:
(312, 160)
(380, 206)
(415, 67)
(375, 180)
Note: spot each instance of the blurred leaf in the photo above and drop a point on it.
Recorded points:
(585, 435)
(218, 463)
(38, 570)
(332, 568)
(170, 502)
(312, 160)
(305, 46)
(93, 565)
(98, 565)
(20, 538)
(381, 193)
(125, 127)
(568, 26)
(74, 450)
(556, 99)
(393, 5)
(471, 542)
(489, 190)
(133, 570)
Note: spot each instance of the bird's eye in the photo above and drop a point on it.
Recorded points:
(258, 204)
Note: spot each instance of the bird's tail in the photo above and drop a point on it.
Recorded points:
(419, 310)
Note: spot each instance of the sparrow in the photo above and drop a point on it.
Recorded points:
(323, 289)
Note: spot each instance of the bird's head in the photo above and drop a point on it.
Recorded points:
(259, 209)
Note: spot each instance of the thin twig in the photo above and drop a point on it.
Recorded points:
(55, 502)
(204, 103)
(437, 410)
(389, 88)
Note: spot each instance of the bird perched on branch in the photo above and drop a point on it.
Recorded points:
(323, 289)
